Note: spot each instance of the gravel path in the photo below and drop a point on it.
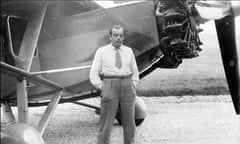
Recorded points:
(170, 120)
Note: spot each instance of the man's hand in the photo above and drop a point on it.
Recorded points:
(134, 83)
(99, 86)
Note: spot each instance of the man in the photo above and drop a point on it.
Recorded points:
(114, 71)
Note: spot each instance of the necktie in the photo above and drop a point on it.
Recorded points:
(118, 61)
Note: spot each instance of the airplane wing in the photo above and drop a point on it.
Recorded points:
(21, 74)
(34, 78)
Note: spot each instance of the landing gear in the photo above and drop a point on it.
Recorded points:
(140, 112)
(20, 133)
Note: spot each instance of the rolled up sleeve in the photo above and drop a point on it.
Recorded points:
(135, 77)
(95, 70)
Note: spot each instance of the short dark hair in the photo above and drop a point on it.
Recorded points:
(116, 27)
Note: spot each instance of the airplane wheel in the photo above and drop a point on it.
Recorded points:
(138, 122)
(21, 133)
(140, 112)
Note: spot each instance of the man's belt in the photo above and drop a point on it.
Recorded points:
(103, 76)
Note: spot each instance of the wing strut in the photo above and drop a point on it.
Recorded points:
(49, 112)
(8, 114)
(26, 53)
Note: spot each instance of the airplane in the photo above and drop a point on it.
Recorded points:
(47, 48)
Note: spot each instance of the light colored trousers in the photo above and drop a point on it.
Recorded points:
(117, 93)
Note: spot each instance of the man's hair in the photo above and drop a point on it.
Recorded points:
(116, 27)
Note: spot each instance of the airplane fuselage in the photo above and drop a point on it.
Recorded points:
(68, 42)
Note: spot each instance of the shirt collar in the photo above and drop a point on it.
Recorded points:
(114, 48)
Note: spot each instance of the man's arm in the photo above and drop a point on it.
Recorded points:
(135, 77)
(95, 70)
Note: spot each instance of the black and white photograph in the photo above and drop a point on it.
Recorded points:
(120, 72)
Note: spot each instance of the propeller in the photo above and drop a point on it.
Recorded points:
(230, 56)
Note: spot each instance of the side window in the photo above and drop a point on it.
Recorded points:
(16, 29)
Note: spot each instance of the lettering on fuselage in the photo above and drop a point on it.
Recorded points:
(89, 19)
(78, 24)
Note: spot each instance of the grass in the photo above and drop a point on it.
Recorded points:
(203, 75)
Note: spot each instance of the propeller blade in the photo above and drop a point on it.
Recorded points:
(230, 56)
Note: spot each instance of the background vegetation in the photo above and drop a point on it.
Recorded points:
(203, 75)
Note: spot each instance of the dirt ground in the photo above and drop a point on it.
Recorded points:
(170, 120)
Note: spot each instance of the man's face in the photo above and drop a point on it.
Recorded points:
(117, 37)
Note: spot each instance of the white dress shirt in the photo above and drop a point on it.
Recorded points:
(104, 62)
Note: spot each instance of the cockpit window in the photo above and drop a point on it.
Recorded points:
(16, 29)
